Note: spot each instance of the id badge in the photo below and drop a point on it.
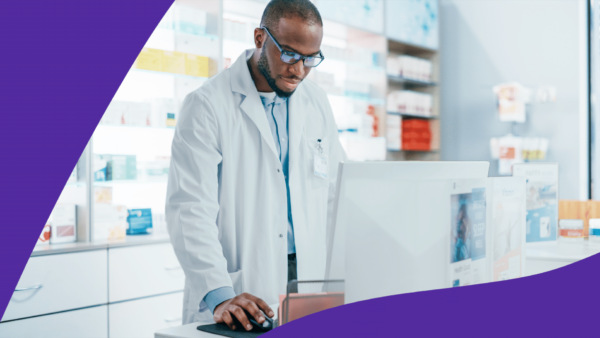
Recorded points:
(321, 165)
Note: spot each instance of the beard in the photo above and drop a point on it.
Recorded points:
(263, 67)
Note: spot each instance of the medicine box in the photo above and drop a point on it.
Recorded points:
(119, 167)
(63, 223)
(173, 62)
(150, 59)
(196, 65)
(140, 221)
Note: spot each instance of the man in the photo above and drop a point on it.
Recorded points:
(253, 173)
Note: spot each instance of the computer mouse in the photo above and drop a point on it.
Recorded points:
(267, 325)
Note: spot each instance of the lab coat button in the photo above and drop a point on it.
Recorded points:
(278, 170)
(280, 235)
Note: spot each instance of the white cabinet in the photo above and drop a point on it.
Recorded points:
(90, 322)
(142, 317)
(56, 283)
(141, 271)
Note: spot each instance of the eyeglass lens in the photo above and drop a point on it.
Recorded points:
(312, 61)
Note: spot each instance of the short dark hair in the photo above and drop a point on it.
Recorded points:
(277, 9)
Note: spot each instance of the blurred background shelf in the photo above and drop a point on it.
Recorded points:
(414, 116)
(410, 82)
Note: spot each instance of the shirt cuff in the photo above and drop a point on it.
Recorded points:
(218, 296)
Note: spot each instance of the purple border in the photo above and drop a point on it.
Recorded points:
(62, 62)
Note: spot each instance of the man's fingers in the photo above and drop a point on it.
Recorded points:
(226, 316)
(253, 310)
(240, 315)
(262, 305)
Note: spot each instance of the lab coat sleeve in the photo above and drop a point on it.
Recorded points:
(192, 202)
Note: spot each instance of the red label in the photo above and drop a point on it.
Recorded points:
(570, 233)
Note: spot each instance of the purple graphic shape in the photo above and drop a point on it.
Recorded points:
(62, 62)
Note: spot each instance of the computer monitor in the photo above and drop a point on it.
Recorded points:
(384, 172)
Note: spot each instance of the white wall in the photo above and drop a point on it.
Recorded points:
(534, 42)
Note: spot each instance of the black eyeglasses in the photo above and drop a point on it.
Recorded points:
(292, 57)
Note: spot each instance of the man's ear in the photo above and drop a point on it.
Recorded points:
(259, 37)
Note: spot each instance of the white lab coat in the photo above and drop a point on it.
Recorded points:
(226, 201)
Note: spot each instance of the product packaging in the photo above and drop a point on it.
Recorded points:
(150, 59)
(594, 232)
(140, 221)
(63, 224)
(44, 238)
(571, 230)
(542, 200)
(173, 62)
(196, 65)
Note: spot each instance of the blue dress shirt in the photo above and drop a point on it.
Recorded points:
(276, 109)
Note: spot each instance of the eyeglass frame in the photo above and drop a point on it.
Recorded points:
(302, 57)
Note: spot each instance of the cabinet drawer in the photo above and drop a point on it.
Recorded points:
(142, 271)
(143, 317)
(90, 322)
(59, 282)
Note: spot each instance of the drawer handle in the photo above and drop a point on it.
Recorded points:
(172, 320)
(172, 268)
(35, 287)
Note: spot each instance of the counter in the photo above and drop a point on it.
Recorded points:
(543, 257)
(53, 249)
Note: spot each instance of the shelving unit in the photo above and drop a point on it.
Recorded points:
(354, 75)
(398, 83)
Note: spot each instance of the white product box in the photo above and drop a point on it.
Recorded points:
(138, 114)
(63, 223)
(159, 110)
(115, 113)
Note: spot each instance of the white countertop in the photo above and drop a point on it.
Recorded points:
(561, 251)
(184, 331)
(131, 240)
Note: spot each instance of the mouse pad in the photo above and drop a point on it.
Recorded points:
(224, 330)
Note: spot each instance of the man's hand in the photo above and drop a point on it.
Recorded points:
(237, 308)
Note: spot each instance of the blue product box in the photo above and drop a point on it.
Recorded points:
(140, 221)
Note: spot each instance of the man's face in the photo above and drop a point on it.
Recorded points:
(293, 35)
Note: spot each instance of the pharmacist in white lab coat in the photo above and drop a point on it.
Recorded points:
(253, 172)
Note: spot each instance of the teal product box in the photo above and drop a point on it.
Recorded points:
(140, 221)
(100, 174)
(119, 167)
(122, 167)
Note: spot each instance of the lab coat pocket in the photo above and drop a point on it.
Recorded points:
(237, 282)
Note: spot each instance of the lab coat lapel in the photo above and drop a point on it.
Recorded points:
(251, 105)
(297, 117)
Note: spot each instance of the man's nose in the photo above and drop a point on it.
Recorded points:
(298, 69)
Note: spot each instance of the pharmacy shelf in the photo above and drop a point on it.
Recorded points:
(75, 184)
(414, 116)
(133, 126)
(408, 48)
(355, 64)
(410, 82)
(373, 101)
(127, 182)
(414, 151)
(182, 76)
